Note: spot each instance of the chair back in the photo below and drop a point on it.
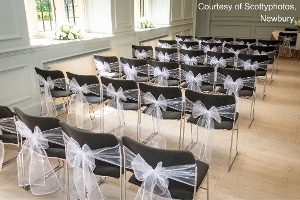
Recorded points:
(156, 91)
(235, 47)
(5, 112)
(138, 49)
(172, 52)
(188, 45)
(204, 39)
(290, 29)
(223, 39)
(121, 83)
(210, 100)
(235, 74)
(185, 38)
(211, 45)
(93, 140)
(199, 54)
(53, 74)
(44, 123)
(84, 79)
(245, 41)
(167, 43)
(268, 42)
(199, 69)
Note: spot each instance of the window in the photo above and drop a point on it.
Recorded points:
(142, 8)
(44, 15)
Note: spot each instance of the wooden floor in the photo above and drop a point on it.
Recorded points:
(268, 163)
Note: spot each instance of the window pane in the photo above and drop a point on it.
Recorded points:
(72, 11)
(45, 15)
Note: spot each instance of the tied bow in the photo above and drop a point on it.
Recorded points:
(233, 87)
(206, 119)
(156, 105)
(117, 96)
(163, 57)
(164, 45)
(218, 63)
(78, 111)
(207, 48)
(154, 181)
(34, 172)
(256, 52)
(193, 82)
(161, 76)
(140, 55)
(190, 61)
(130, 72)
(248, 66)
(103, 67)
(285, 48)
(236, 53)
(48, 107)
(185, 47)
(83, 162)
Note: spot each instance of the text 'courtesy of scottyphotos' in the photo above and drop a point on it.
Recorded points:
(268, 8)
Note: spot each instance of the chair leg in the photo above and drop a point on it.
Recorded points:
(180, 133)
(67, 180)
(207, 186)
(265, 82)
(272, 74)
(252, 110)
(276, 65)
(236, 150)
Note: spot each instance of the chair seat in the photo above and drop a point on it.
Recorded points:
(141, 79)
(225, 123)
(173, 82)
(108, 170)
(260, 72)
(9, 138)
(180, 190)
(242, 92)
(203, 87)
(130, 106)
(60, 93)
(169, 114)
(56, 152)
(93, 99)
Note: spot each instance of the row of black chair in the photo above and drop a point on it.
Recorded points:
(152, 156)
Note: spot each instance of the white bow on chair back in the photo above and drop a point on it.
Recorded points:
(34, 168)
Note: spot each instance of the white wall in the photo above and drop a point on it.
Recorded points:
(18, 83)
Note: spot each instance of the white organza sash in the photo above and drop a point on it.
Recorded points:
(216, 63)
(6, 124)
(194, 82)
(155, 109)
(142, 54)
(200, 41)
(187, 48)
(78, 110)
(236, 52)
(34, 168)
(83, 162)
(270, 54)
(285, 47)
(247, 43)
(117, 97)
(166, 57)
(165, 45)
(185, 40)
(248, 65)
(103, 67)
(194, 60)
(48, 107)
(155, 181)
(162, 76)
(206, 120)
(132, 72)
(207, 48)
